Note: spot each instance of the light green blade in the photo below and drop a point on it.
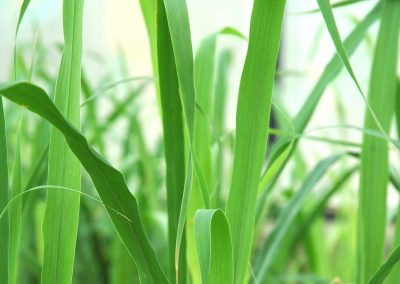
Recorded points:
(397, 114)
(148, 8)
(288, 216)
(24, 7)
(252, 120)
(59, 232)
(4, 236)
(384, 270)
(374, 175)
(219, 114)
(204, 75)
(303, 117)
(203, 131)
(395, 275)
(15, 217)
(127, 221)
(179, 29)
(337, 4)
(214, 246)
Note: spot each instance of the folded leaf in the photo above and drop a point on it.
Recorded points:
(214, 246)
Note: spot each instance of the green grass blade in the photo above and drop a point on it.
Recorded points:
(15, 217)
(395, 275)
(204, 76)
(338, 4)
(178, 22)
(214, 246)
(320, 205)
(303, 117)
(38, 172)
(288, 216)
(326, 10)
(333, 68)
(374, 175)
(275, 167)
(397, 114)
(123, 270)
(59, 232)
(379, 276)
(173, 128)
(204, 82)
(4, 236)
(22, 11)
(148, 8)
(219, 114)
(252, 118)
(128, 222)
(179, 30)
(330, 22)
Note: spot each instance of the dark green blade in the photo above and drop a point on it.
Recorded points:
(174, 142)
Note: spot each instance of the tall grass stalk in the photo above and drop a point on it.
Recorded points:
(374, 158)
(4, 236)
(174, 142)
(60, 231)
(15, 215)
(252, 118)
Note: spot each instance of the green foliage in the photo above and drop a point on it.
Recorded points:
(205, 200)
(252, 119)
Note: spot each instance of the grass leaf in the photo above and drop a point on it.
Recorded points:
(15, 216)
(303, 117)
(174, 142)
(374, 176)
(288, 215)
(109, 182)
(59, 232)
(214, 246)
(385, 268)
(4, 236)
(252, 118)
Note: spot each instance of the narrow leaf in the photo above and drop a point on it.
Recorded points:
(374, 174)
(288, 216)
(386, 267)
(109, 182)
(4, 236)
(174, 142)
(214, 246)
(15, 216)
(59, 232)
(252, 119)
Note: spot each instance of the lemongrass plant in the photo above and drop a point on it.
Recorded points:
(208, 204)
